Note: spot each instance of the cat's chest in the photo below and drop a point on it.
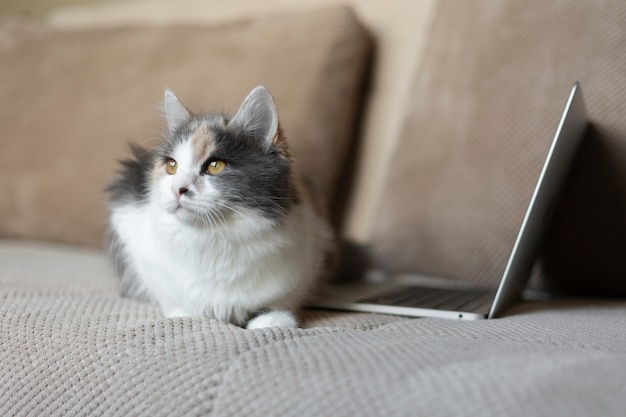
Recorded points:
(165, 250)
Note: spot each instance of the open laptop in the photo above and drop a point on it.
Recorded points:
(411, 295)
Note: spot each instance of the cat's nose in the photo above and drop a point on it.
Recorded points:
(178, 191)
(181, 186)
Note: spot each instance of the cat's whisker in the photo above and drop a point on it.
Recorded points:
(204, 215)
(137, 203)
(226, 206)
(243, 216)
(219, 216)
(216, 221)
(208, 219)
(220, 222)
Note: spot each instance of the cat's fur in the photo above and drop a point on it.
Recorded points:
(243, 246)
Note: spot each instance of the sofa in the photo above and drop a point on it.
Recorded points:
(422, 124)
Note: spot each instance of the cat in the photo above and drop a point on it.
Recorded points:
(214, 222)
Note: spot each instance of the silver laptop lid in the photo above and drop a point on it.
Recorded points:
(566, 141)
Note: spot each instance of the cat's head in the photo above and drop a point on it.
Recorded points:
(211, 168)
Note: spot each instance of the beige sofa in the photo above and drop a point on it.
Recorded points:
(423, 123)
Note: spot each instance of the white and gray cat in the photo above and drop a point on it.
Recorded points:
(213, 222)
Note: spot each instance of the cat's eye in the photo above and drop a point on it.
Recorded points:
(215, 167)
(171, 166)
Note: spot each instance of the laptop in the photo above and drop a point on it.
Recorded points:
(420, 296)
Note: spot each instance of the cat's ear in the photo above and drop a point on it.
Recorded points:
(175, 110)
(258, 115)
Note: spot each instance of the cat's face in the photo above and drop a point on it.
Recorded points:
(211, 169)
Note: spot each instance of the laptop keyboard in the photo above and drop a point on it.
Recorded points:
(434, 298)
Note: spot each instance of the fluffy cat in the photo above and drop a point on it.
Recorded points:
(213, 222)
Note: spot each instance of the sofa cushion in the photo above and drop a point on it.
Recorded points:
(70, 102)
(484, 109)
(70, 346)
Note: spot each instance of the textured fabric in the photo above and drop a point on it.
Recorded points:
(69, 345)
(485, 107)
(70, 102)
(398, 26)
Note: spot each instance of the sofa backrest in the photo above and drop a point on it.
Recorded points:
(484, 107)
(70, 101)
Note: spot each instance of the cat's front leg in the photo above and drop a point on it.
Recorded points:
(175, 312)
(171, 311)
(273, 318)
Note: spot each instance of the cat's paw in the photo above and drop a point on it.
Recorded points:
(273, 319)
(175, 312)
